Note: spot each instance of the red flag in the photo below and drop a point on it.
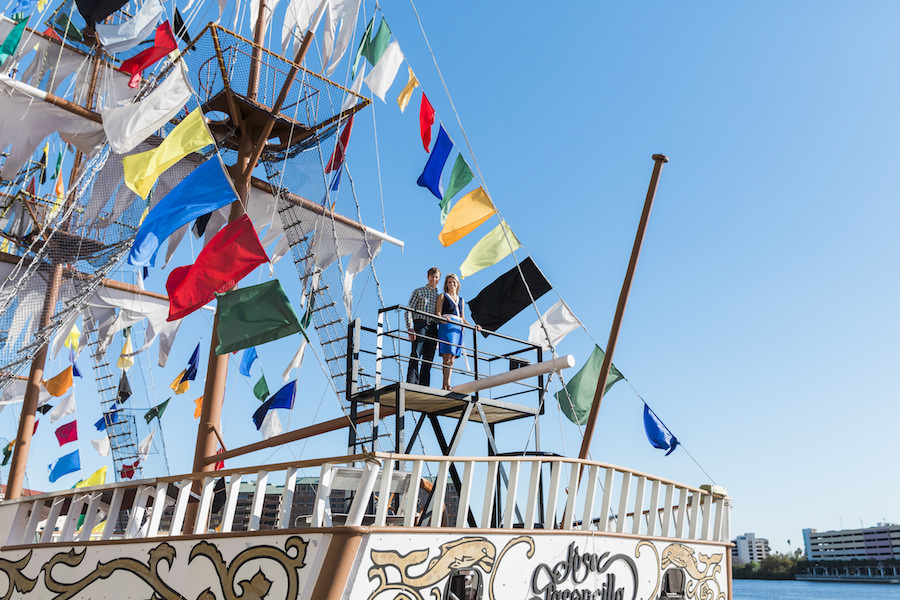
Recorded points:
(337, 157)
(49, 32)
(127, 471)
(67, 433)
(232, 254)
(426, 120)
(34, 431)
(163, 43)
(220, 464)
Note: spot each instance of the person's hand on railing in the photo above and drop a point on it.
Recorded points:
(412, 335)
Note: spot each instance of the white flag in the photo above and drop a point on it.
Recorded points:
(101, 445)
(65, 408)
(127, 35)
(383, 74)
(350, 100)
(299, 14)
(271, 425)
(129, 125)
(559, 322)
(144, 446)
(296, 361)
(340, 19)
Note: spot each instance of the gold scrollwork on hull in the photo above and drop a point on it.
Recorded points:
(290, 561)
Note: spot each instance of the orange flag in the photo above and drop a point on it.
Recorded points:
(467, 214)
(60, 384)
(199, 403)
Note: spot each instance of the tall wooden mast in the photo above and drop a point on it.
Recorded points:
(658, 161)
(251, 144)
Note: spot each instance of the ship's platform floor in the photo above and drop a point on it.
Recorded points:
(434, 401)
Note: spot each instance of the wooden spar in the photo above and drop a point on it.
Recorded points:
(32, 392)
(658, 161)
(541, 368)
(12, 259)
(301, 434)
(319, 209)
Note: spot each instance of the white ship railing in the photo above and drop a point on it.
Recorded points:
(494, 493)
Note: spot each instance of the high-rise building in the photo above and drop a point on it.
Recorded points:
(749, 548)
(881, 542)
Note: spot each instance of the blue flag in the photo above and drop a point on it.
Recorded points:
(206, 189)
(75, 371)
(247, 359)
(283, 398)
(190, 373)
(108, 418)
(658, 434)
(25, 7)
(64, 465)
(431, 176)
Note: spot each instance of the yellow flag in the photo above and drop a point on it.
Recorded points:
(490, 250)
(4, 245)
(59, 385)
(142, 169)
(199, 403)
(73, 339)
(144, 216)
(179, 386)
(125, 361)
(406, 94)
(467, 214)
(98, 478)
(60, 196)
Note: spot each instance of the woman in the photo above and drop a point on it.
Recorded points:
(450, 306)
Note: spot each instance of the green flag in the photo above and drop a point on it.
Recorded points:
(460, 177)
(156, 411)
(7, 453)
(68, 27)
(261, 389)
(372, 48)
(576, 398)
(12, 39)
(59, 160)
(254, 315)
(490, 250)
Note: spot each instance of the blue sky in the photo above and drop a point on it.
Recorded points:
(761, 324)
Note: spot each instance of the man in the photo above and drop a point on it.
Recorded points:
(422, 330)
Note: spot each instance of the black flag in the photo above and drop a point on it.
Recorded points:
(507, 296)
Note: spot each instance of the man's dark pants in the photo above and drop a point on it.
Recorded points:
(422, 353)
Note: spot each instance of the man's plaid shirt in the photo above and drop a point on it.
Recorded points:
(422, 299)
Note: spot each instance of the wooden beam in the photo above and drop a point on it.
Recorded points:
(298, 434)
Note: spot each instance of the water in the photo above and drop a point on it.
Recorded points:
(752, 589)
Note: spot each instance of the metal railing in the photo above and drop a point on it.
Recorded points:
(542, 492)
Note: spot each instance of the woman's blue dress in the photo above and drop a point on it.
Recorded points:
(450, 334)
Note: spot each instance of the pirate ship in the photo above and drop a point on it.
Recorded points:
(232, 136)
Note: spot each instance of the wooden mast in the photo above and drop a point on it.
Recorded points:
(22, 445)
(250, 147)
(659, 161)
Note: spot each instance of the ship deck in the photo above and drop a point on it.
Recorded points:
(433, 401)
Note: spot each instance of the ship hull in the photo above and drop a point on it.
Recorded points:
(367, 563)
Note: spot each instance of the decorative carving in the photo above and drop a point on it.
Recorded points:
(290, 560)
(463, 553)
(703, 584)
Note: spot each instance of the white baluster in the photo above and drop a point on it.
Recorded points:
(411, 500)
(465, 495)
(589, 496)
(569, 514)
(184, 495)
(552, 495)
(653, 512)
(363, 493)
(490, 484)
(50, 524)
(623, 503)
(112, 515)
(231, 497)
(693, 519)
(159, 507)
(608, 484)
(667, 510)
(384, 493)
(259, 497)
(637, 515)
(321, 511)
(75, 505)
(681, 512)
(512, 489)
(287, 496)
(440, 492)
(533, 494)
(91, 518)
(206, 497)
